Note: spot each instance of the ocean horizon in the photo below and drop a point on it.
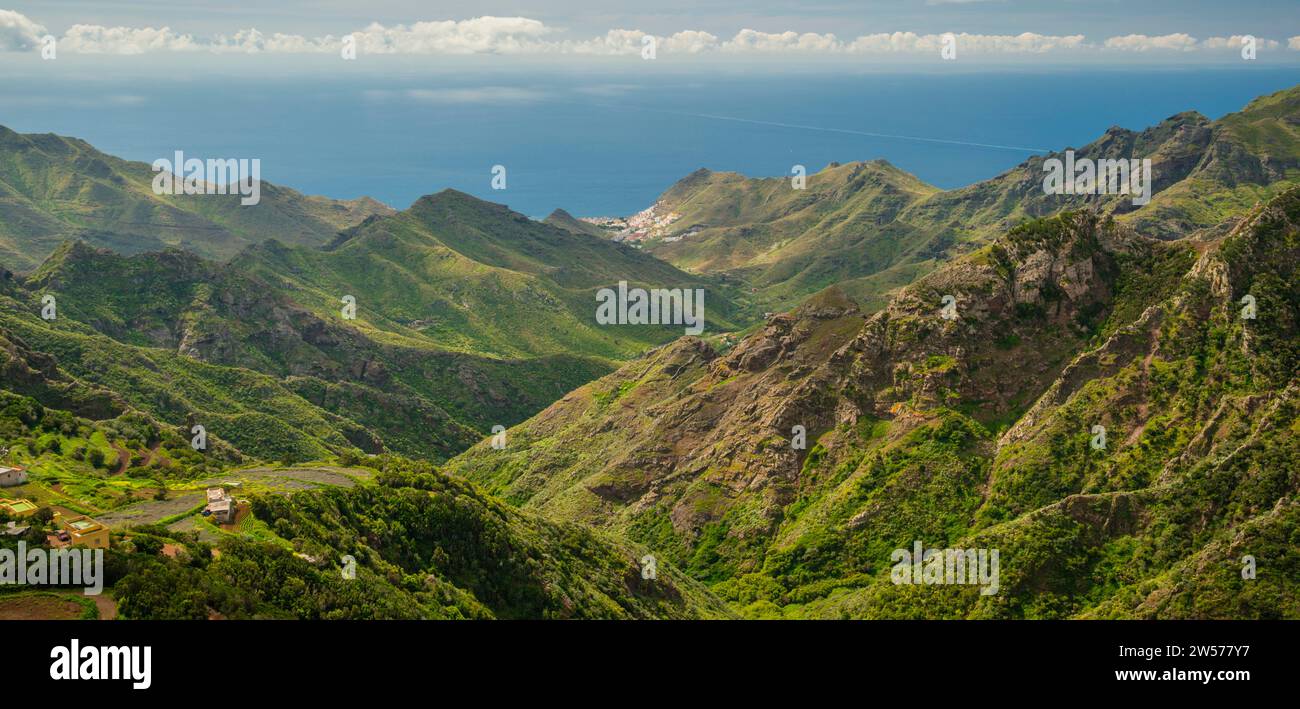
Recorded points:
(608, 144)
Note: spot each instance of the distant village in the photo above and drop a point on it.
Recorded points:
(61, 527)
(648, 224)
(65, 528)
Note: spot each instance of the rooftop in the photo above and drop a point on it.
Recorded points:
(18, 505)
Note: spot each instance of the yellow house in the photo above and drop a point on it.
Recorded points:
(18, 508)
(83, 531)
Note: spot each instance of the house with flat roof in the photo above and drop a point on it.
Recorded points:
(221, 506)
(18, 508)
(82, 531)
(12, 476)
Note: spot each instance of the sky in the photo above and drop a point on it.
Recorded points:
(1063, 17)
(561, 90)
(1100, 31)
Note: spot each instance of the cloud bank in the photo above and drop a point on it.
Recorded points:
(17, 33)
(521, 35)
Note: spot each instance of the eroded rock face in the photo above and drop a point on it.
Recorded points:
(692, 442)
(36, 374)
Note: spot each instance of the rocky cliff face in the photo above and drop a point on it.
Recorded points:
(972, 423)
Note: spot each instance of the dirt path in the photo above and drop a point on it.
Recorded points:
(153, 455)
(106, 605)
(123, 458)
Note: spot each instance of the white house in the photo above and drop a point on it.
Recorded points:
(221, 505)
(12, 476)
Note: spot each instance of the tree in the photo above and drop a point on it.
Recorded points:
(147, 544)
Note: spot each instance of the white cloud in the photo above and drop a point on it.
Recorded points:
(1027, 42)
(97, 39)
(481, 35)
(755, 41)
(251, 41)
(612, 42)
(1235, 42)
(17, 33)
(625, 42)
(1145, 43)
(690, 42)
(521, 35)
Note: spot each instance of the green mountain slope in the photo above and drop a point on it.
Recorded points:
(54, 188)
(186, 339)
(788, 243)
(563, 220)
(473, 276)
(424, 545)
(870, 228)
(970, 432)
(468, 316)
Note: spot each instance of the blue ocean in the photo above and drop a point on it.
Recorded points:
(610, 143)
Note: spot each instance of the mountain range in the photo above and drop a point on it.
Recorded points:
(54, 188)
(467, 315)
(969, 432)
(870, 227)
(1103, 392)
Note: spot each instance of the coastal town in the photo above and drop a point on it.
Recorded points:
(650, 224)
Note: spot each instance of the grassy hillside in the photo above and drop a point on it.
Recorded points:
(187, 340)
(425, 545)
(563, 220)
(970, 432)
(54, 188)
(473, 276)
(787, 243)
(468, 316)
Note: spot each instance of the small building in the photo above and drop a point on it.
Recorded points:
(82, 531)
(12, 476)
(221, 506)
(18, 508)
(14, 529)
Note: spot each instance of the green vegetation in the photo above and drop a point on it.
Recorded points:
(869, 228)
(58, 188)
(974, 434)
(425, 546)
(770, 477)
